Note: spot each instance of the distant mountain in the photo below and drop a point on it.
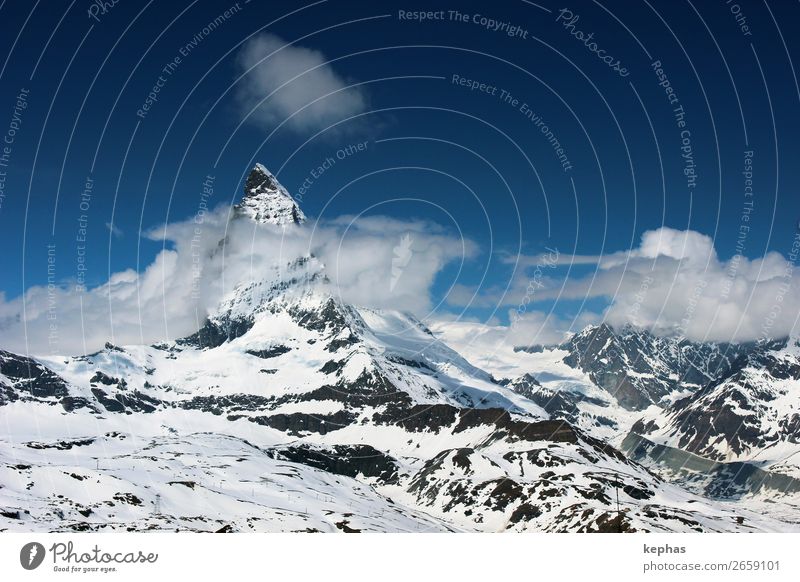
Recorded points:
(640, 369)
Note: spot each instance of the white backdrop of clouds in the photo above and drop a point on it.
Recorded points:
(673, 283)
(167, 300)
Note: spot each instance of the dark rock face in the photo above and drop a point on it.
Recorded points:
(558, 404)
(526, 385)
(332, 367)
(215, 333)
(419, 364)
(272, 352)
(258, 182)
(347, 460)
(265, 201)
(70, 403)
(61, 445)
(435, 417)
(102, 378)
(330, 319)
(299, 423)
(29, 380)
(369, 389)
(230, 404)
(639, 369)
(419, 417)
(133, 401)
(535, 348)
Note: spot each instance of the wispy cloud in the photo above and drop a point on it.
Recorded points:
(114, 229)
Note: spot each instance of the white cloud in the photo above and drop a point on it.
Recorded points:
(283, 79)
(168, 300)
(682, 245)
(692, 293)
(673, 283)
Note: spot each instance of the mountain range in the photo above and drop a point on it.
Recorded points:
(291, 410)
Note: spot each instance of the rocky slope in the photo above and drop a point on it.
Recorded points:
(640, 369)
(752, 413)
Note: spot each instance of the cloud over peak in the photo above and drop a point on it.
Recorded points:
(171, 297)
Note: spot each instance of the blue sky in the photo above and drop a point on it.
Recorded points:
(467, 159)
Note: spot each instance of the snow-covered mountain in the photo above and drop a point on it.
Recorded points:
(751, 413)
(290, 410)
(640, 369)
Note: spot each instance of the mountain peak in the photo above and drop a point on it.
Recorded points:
(266, 201)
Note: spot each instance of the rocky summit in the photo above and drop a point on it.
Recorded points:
(265, 201)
